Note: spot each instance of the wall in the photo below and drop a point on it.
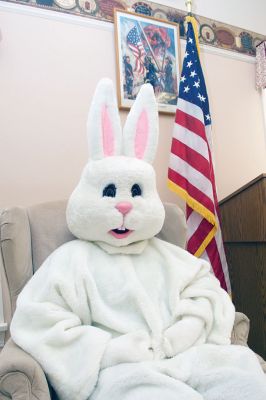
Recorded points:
(245, 14)
(49, 69)
(238, 123)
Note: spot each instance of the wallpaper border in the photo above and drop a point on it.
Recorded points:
(211, 32)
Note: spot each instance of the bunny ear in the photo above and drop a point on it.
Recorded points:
(103, 126)
(141, 128)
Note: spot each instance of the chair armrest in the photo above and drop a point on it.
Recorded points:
(21, 376)
(240, 334)
(240, 329)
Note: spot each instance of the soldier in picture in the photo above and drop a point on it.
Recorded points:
(168, 75)
(151, 74)
(129, 76)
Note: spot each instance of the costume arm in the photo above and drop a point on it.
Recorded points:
(48, 324)
(204, 314)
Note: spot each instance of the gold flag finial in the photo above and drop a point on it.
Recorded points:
(189, 6)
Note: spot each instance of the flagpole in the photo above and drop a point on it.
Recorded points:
(190, 18)
(189, 6)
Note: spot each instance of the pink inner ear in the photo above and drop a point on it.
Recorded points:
(142, 132)
(107, 132)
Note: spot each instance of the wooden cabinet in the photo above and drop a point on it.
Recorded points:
(243, 219)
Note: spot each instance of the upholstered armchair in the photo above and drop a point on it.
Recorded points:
(27, 237)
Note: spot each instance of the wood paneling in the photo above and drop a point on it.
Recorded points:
(243, 216)
(244, 213)
(248, 278)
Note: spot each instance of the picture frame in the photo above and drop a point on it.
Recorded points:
(147, 51)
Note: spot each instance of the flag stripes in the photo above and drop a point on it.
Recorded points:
(195, 159)
(191, 194)
(191, 109)
(201, 232)
(195, 176)
(192, 140)
(188, 121)
(215, 260)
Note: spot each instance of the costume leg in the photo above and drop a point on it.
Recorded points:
(225, 373)
(233, 385)
(138, 381)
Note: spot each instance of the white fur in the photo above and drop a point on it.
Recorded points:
(86, 309)
(205, 372)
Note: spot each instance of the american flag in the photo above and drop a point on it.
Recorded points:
(190, 172)
(135, 44)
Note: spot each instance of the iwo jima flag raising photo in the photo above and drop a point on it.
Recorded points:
(190, 172)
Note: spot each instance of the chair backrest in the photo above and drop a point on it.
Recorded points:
(28, 236)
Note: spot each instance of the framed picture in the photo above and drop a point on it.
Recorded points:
(147, 51)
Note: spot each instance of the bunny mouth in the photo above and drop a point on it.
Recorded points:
(120, 233)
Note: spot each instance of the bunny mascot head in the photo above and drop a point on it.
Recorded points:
(116, 200)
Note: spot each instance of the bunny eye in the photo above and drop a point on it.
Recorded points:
(109, 190)
(136, 190)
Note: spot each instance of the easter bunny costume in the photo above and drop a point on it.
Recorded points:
(119, 314)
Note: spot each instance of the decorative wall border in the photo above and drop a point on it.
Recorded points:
(212, 33)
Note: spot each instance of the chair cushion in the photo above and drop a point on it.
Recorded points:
(48, 230)
(15, 240)
(174, 229)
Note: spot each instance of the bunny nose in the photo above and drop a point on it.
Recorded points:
(124, 207)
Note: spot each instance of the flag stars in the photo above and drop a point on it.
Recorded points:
(186, 89)
(208, 117)
(186, 54)
(193, 73)
(202, 98)
(183, 78)
(190, 40)
(189, 64)
(197, 84)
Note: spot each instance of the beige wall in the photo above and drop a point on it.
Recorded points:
(245, 14)
(239, 141)
(48, 72)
